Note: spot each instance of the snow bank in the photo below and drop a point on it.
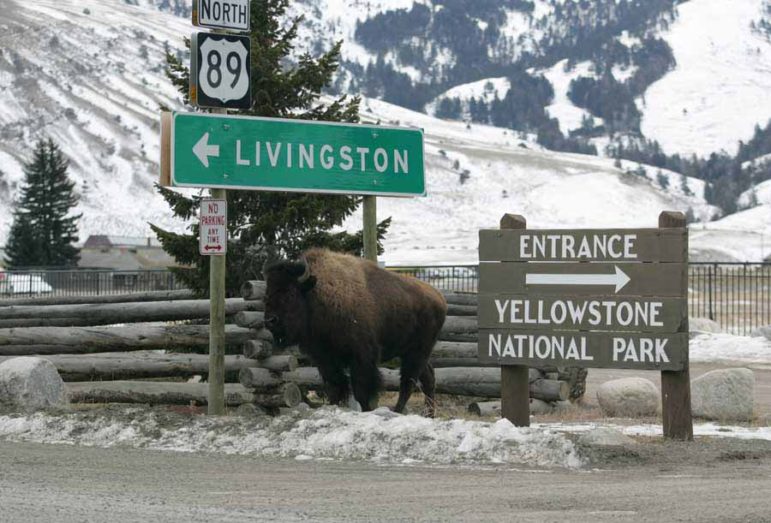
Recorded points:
(327, 433)
(728, 347)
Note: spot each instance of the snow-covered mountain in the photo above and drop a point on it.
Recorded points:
(720, 88)
(89, 73)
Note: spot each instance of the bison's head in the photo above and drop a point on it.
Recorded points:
(286, 306)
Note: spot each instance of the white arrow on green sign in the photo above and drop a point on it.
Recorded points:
(235, 152)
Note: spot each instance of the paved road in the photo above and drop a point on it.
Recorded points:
(65, 483)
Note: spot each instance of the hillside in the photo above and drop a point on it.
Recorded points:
(92, 79)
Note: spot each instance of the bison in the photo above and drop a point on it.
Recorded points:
(347, 314)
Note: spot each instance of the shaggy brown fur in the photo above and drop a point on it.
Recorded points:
(348, 314)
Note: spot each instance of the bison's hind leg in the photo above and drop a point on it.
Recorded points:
(366, 381)
(413, 365)
(428, 383)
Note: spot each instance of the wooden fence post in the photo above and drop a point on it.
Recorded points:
(676, 385)
(515, 379)
(217, 269)
(370, 228)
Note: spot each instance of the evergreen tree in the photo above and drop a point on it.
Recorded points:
(266, 224)
(43, 229)
(684, 185)
(662, 179)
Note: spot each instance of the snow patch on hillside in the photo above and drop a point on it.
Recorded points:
(485, 90)
(742, 236)
(720, 87)
(569, 115)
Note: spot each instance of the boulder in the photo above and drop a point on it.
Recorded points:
(762, 332)
(725, 394)
(703, 325)
(31, 384)
(629, 398)
(539, 407)
(605, 437)
(248, 410)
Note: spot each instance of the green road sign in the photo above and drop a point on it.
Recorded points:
(233, 152)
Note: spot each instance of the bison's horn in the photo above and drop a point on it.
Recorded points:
(306, 274)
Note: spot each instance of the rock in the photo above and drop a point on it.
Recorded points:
(725, 394)
(247, 410)
(385, 413)
(31, 384)
(538, 407)
(605, 437)
(762, 332)
(353, 404)
(563, 406)
(629, 397)
(701, 325)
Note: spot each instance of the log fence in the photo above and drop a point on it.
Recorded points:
(104, 347)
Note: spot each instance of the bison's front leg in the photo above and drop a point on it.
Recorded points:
(366, 380)
(335, 383)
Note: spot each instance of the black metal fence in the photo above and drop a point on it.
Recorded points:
(736, 295)
(24, 284)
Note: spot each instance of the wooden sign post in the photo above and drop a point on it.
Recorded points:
(614, 298)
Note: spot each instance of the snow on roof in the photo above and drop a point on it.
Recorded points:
(102, 240)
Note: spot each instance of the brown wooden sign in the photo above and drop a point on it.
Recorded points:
(619, 245)
(590, 298)
(583, 279)
(584, 349)
(541, 313)
(612, 298)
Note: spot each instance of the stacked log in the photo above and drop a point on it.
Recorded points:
(152, 393)
(270, 391)
(81, 338)
(91, 314)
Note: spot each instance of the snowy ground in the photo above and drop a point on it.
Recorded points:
(334, 434)
(713, 430)
(326, 433)
(706, 348)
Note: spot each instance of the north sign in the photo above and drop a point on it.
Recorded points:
(232, 152)
(232, 15)
(220, 71)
